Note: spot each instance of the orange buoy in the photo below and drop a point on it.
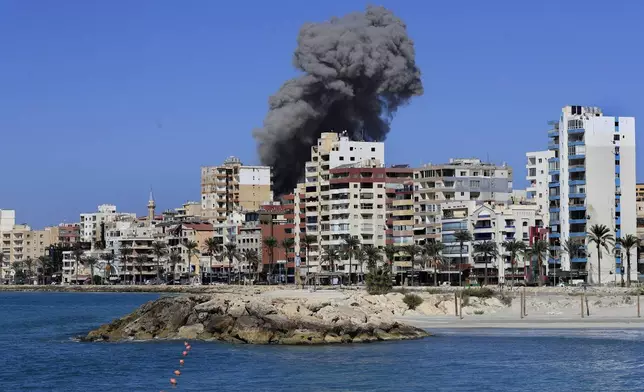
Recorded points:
(173, 381)
(181, 362)
(185, 353)
(177, 373)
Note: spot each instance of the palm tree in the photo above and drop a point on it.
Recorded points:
(19, 274)
(433, 250)
(28, 264)
(230, 253)
(307, 241)
(192, 248)
(287, 244)
(270, 243)
(109, 266)
(44, 262)
(627, 243)
(159, 248)
(175, 258)
(361, 257)
(412, 250)
(252, 258)
(78, 254)
(461, 236)
(390, 252)
(539, 249)
(601, 237)
(211, 246)
(91, 262)
(373, 257)
(125, 251)
(348, 249)
(140, 260)
(514, 247)
(488, 250)
(331, 255)
(572, 247)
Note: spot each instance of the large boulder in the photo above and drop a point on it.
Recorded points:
(255, 319)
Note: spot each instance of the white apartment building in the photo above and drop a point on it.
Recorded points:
(502, 223)
(349, 202)
(458, 180)
(592, 182)
(90, 230)
(538, 179)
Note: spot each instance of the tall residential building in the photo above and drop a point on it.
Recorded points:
(92, 224)
(592, 182)
(233, 187)
(538, 179)
(459, 180)
(21, 243)
(335, 202)
(399, 189)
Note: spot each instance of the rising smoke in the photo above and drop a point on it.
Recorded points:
(358, 70)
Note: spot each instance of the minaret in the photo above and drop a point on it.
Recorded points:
(151, 207)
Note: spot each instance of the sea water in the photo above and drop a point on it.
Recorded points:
(39, 353)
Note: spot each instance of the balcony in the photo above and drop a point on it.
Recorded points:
(576, 168)
(577, 182)
(553, 184)
(578, 234)
(554, 235)
(579, 260)
(575, 143)
(553, 132)
(554, 209)
(577, 195)
(553, 146)
(576, 131)
(554, 197)
(580, 220)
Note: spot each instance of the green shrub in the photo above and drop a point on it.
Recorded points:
(479, 312)
(506, 299)
(400, 290)
(412, 301)
(433, 290)
(483, 292)
(378, 281)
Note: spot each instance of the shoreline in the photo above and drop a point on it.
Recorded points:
(433, 323)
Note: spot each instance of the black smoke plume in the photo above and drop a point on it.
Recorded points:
(358, 70)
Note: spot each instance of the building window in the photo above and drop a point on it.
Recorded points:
(475, 183)
(342, 158)
(350, 148)
(463, 174)
(616, 137)
(353, 158)
(475, 174)
(373, 149)
(540, 160)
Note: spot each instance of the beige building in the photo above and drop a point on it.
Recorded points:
(22, 243)
(458, 180)
(233, 187)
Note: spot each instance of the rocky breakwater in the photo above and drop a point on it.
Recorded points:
(256, 319)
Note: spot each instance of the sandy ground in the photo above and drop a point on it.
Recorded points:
(544, 311)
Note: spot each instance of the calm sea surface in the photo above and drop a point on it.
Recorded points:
(39, 354)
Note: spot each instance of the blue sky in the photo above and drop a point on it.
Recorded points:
(101, 100)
